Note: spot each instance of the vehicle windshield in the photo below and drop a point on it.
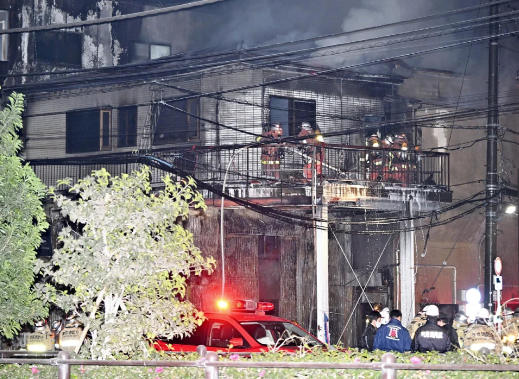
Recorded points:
(270, 333)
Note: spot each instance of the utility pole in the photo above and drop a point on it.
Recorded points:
(492, 180)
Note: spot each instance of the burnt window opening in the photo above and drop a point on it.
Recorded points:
(127, 127)
(291, 113)
(59, 47)
(174, 126)
(89, 131)
(4, 24)
(143, 51)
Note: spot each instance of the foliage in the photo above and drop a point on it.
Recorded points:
(127, 261)
(22, 220)
(163, 372)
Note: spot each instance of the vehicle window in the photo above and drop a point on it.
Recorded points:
(197, 338)
(221, 333)
(281, 333)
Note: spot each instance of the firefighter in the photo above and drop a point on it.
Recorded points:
(400, 165)
(70, 336)
(312, 144)
(375, 157)
(387, 157)
(431, 336)
(271, 154)
(393, 336)
(480, 337)
(419, 320)
(460, 324)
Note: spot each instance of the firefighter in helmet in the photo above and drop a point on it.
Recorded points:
(400, 164)
(375, 157)
(271, 153)
(419, 320)
(481, 337)
(310, 145)
(460, 323)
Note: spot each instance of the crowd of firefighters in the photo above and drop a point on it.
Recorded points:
(387, 158)
(309, 144)
(431, 330)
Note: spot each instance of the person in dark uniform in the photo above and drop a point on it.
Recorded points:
(368, 336)
(431, 336)
(443, 322)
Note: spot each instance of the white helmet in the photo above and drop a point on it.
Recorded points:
(432, 311)
(385, 316)
(306, 126)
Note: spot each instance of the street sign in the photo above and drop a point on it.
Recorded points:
(498, 282)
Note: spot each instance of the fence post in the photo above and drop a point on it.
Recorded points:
(63, 368)
(211, 372)
(388, 373)
(201, 350)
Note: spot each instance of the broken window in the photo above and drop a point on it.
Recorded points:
(175, 126)
(89, 131)
(291, 113)
(127, 127)
(4, 17)
(59, 47)
(143, 51)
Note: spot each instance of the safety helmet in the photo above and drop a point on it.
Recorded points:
(461, 318)
(306, 126)
(483, 313)
(385, 316)
(276, 125)
(71, 322)
(389, 139)
(373, 141)
(378, 307)
(432, 311)
(401, 139)
(40, 326)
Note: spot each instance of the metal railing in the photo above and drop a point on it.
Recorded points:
(209, 362)
(280, 165)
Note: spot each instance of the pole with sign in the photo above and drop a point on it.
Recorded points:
(498, 286)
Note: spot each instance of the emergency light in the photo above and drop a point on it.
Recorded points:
(245, 305)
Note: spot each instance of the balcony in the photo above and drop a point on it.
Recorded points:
(341, 173)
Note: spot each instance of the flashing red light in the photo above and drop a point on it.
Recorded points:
(222, 304)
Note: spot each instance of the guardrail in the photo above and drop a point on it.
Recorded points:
(285, 166)
(209, 362)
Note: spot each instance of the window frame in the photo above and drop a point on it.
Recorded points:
(188, 131)
(98, 127)
(57, 47)
(292, 125)
(4, 24)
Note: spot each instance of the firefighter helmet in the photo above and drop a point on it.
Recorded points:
(373, 141)
(460, 318)
(276, 125)
(306, 126)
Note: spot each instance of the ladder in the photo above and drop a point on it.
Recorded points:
(148, 132)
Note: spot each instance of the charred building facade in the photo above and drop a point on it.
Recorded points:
(295, 232)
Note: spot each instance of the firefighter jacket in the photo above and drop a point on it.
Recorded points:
(392, 337)
(478, 336)
(270, 154)
(415, 323)
(368, 337)
(431, 337)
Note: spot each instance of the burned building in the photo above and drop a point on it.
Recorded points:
(304, 233)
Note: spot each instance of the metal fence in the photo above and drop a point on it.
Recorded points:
(209, 362)
(280, 165)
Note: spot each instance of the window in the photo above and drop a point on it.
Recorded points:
(127, 127)
(4, 17)
(291, 113)
(59, 47)
(89, 131)
(143, 51)
(174, 126)
(221, 333)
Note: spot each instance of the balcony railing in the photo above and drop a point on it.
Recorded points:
(274, 165)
